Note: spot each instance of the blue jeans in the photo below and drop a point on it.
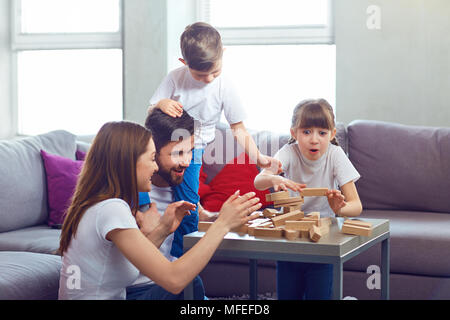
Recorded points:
(188, 191)
(304, 281)
(155, 292)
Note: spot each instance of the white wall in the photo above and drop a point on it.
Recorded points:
(400, 73)
(6, 128)
(152, 30)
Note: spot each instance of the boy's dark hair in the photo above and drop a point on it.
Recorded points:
(313, 113)
(201, 46)
(166, 129)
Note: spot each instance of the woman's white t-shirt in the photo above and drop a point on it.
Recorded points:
(93, 267)
(331, 171)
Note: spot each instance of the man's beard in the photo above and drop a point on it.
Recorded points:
(167, 176)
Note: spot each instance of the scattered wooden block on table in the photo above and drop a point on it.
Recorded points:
(277, 196)
(314, 233)
(325, 221)
(268, 232)
(314, 192)
(280, 220)
(356, 230)
(300, 225)
(291, 234)
(358, 223)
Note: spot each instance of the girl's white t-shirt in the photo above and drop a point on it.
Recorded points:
(331, 171)
(204, 102)
(93, 267)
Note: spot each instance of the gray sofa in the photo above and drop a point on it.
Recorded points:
(405, 177)
(28, 267)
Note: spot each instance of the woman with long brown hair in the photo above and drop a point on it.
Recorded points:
(105, 240)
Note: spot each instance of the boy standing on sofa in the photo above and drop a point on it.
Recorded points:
(200, 89)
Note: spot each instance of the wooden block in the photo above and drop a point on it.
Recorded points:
(267, 224)
(316, 221)
(204, 225)
(291, 234)
(277, 196)
(268, 212)
(304, 234)
(256, 223)
(356, 230)
(315, 215)
(294, 201)
(268, 232)
(291, 208)
(314, 192)
(325, 221)
(300, 225)
(280, 220)
(324, 229)
(314, 233)
(358, 223)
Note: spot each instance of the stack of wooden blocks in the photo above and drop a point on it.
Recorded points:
(291, 223)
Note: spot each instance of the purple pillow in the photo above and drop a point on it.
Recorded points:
(80, 155)
(62, 174)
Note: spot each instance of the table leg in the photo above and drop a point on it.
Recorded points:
(385, 269)
(253, 279)
(189, 291)
(337, 280)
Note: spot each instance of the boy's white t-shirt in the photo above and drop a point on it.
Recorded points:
(331, 171)
(204, 102)
(162, 196)
(93, 267)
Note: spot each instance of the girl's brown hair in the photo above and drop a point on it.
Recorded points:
(313, 113)
(109, 171)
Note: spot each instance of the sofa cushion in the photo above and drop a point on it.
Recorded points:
(39, 239)
(29, 276)
(62, 175)
(402, 167)
(22, 177)
(419, 243)
(238, 174)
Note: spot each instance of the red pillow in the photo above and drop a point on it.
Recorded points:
(238, 174)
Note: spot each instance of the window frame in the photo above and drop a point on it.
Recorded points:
(53, 41)
(276, 35)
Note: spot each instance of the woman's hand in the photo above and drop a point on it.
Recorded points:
(336, 201)
(174, 213)
(148, 220)
(237, 210)
(171, 107)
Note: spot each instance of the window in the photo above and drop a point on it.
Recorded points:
(68, 57)
(277, 54)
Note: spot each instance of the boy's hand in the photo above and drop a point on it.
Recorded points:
(272, 164)
(336, 201)
(171, 107)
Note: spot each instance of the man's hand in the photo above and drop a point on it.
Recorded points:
(174, 213)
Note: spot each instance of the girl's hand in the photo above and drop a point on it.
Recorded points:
(237, 210)
(270, 163)
(174, 213)
(336, 201)
(171, 107)
(148, 220)
(283, 184)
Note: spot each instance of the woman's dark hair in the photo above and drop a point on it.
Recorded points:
(313, 113)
